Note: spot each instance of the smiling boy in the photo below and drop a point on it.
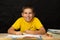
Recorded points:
(28, 23)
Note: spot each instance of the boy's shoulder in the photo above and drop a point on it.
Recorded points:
(35, 18)
(20, 18)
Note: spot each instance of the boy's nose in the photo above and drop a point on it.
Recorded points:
(27, 14)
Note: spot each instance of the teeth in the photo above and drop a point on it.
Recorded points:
(27, 18)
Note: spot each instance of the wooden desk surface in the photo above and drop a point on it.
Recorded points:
(44, 37)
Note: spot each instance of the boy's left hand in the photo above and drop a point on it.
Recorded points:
(29, 32)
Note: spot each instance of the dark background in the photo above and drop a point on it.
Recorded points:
(46, 10)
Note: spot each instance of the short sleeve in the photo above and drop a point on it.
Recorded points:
(38, 24)
(17, 24)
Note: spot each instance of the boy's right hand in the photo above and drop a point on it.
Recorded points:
(18, 33)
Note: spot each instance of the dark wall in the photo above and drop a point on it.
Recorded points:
(46, 10)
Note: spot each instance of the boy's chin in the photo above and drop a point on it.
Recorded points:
(28, 20)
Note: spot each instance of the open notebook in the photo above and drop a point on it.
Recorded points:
(22, 36)
(56, 31)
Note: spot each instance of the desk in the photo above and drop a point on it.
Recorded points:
(3, 36)
(55, 36)
(44, 37)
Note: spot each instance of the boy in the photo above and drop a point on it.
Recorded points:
(27, 23)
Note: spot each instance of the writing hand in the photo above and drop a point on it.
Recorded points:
(29, 32)
(18, 33)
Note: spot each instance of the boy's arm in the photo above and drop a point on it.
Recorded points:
(40, 31)
(11, 30)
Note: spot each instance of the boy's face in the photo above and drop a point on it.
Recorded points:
(28, 14)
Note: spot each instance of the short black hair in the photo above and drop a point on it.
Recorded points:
(27, 6)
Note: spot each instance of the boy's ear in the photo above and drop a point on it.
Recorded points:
(22, 14)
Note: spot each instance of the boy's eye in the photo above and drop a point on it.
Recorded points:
(30, 13)
(25, 13)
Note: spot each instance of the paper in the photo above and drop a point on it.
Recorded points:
(54, 31)
(22, 36)
(37, 36)
(15, 36)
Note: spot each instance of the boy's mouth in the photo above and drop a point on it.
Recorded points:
(28, 18)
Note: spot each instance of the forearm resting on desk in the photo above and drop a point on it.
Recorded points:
(34, 32)
(12, 31)
(41, 31)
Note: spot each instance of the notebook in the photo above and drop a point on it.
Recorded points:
(22, 36)
(56, 31)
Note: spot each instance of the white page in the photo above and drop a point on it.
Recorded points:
(15, 36)
(54, 30)
(21, 36)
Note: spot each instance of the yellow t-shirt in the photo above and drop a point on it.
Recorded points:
(23, 25)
